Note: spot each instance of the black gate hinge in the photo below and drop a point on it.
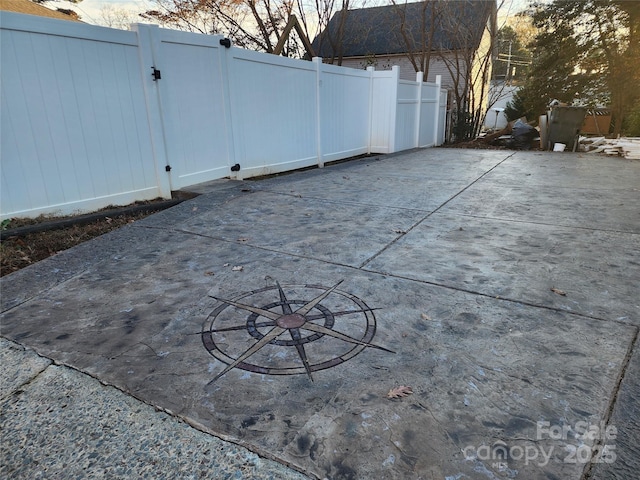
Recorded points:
(156, 74)
(167, 168)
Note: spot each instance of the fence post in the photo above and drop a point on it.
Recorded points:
(395, 78)
(148, 52)
(318, 63)
(419, 78)
(436, 123)
(226, 65)
(370, 69)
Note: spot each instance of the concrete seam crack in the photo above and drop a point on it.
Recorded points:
(588, 472)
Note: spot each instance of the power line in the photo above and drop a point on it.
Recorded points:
(523, 58)
(75, 6)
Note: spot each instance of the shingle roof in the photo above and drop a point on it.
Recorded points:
(30, 8)
(377, 30)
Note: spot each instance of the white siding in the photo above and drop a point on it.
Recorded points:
(437, 66)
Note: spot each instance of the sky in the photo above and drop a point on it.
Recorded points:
(91, 10)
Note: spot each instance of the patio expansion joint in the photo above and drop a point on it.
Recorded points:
(587, 474)
(393, 242)
(545, 224)
(504, 299)
(259, 247)
(387, 274)
(37, 294)
(19, 389)
(58, 363)
(328, 200)
(392, 275)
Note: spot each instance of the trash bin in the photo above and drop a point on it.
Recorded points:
(563, 126)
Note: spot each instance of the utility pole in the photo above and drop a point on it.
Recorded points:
(508, 64)
(512, 62)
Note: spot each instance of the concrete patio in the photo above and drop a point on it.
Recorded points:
(255, 331)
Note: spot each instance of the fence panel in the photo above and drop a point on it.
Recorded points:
(428, 128)
(407, 115)
(273, 112)
(383, 110)
(74, 124)
(344, 100)
(85, 124)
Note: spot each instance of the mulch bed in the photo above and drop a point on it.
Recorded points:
(22, 249)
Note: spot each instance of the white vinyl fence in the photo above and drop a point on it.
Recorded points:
(93, 116)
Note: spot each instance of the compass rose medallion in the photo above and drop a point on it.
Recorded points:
(289, 330)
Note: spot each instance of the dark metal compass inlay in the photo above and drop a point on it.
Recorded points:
(300, 323)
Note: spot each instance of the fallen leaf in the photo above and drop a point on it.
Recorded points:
(225, 265)
(211, 274)
(558, 291)
(237, 268)
(425, 316)
(399, 392)
(194, 209)
(243, 240)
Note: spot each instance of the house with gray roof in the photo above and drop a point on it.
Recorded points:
(394, 33)
(438, 37)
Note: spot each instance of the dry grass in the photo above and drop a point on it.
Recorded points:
(17, 252)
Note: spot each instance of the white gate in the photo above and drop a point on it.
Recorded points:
(193, 104)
